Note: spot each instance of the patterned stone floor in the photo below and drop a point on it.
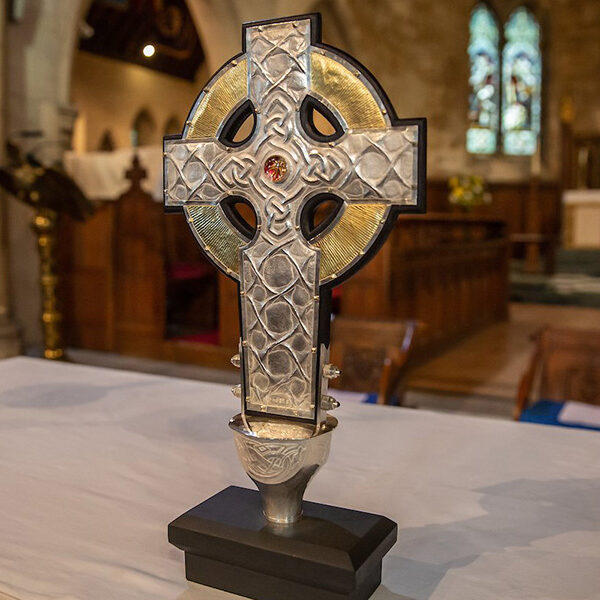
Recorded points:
(489, 364)
(575, 283)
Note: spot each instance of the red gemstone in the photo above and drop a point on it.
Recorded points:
(275, 168)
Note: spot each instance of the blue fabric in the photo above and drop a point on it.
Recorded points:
(372, 399)
(545, 412)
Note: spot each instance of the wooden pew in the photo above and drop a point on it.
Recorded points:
(565, 366)
(114, 277)
(448, 271)
(530, 209)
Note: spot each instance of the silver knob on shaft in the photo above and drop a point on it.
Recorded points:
(331, 371)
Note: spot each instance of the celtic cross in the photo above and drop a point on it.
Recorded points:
(372, 166)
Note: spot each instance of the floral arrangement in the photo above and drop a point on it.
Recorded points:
(468, 191)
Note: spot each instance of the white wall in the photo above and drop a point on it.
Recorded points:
(108, 94)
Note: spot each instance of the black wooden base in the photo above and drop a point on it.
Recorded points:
(330, 554)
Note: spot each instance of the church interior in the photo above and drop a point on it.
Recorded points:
(485, 305)
(509, 245)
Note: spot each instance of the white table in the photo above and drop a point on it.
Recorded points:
(94, 463)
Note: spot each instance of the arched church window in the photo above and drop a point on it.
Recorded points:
(484, 81)
(521, 83)
(143, 130)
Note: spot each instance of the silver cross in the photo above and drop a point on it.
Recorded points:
(281, 274)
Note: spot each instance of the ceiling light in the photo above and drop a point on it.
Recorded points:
(148, 50)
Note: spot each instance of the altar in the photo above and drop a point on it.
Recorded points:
(94, 463)
(581, 218)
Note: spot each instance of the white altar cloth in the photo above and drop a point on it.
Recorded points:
(94, 464)
(102, 175)
(581, 220)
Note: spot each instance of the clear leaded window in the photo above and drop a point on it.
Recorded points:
(518, 116)
(521, 83)
(484, 80)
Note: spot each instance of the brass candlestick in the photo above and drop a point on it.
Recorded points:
(44, 225)
(51, 193)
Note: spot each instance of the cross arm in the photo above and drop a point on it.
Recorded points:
(384, 165)
(193, 172)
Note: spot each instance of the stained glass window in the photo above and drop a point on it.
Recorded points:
(521, 83)
(484, 80)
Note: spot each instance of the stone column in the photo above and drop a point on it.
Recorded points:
(9, 342)
(38, 64)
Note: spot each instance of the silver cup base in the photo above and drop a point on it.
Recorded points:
(281, 456)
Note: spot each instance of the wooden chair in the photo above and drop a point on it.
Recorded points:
(566, 362)
(372, 355)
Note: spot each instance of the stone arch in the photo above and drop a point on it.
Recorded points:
(144, 131)
(107, 142)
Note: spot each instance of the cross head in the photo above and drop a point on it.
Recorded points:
(373, 165)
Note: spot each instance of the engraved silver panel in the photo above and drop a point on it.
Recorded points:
(279, 276)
